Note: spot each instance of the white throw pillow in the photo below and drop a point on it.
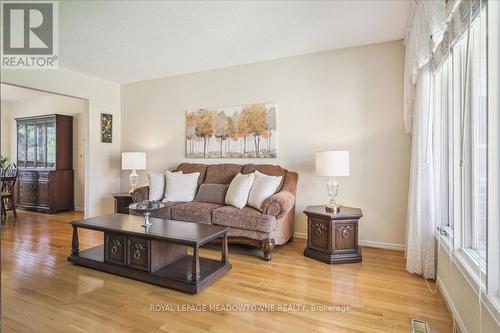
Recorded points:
(180, 187)
(263, 187)
(156, 185)
(237, 193)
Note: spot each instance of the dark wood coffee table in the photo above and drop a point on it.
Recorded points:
(158, 255)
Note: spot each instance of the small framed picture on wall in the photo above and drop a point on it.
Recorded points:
(106, 128)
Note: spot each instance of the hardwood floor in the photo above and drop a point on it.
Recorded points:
(42, 292)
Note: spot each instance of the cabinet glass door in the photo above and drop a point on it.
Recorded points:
(40, 144)
(51, 144)
(21, 145)
(30, 153)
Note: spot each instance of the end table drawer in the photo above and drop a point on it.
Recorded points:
(345, 236)
(138, 254)
(114, 249)
(122, 206)
(320, 235)
(122, 201)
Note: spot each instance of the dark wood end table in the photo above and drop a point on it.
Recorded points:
(122, 201)
(157, 255)
(333, 237)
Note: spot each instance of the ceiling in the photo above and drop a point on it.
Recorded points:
(125, 41)
(10, 93)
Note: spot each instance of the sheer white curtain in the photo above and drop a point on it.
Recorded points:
(421, 198)
(429, 175)
(423, 102)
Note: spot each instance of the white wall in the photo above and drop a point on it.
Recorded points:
(75, 107)
(5, 110)
(344, 99)
(102, 159)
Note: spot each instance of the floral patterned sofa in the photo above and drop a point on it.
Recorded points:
(273, 226)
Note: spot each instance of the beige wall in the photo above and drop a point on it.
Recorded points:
(344, 99)
(102, 159)
(462, 298)
(5, 110)
(75, 107)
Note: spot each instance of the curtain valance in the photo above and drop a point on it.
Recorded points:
(432, 30)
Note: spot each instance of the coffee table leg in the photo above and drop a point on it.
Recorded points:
(195, 273)
(225, 252)
(75, 244)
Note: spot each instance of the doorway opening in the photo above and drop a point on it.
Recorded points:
(46, 135)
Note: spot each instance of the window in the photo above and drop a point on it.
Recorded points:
(469, 107)
(467, 138)
(460, 138)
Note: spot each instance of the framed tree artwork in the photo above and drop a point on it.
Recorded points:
(106, 128)
(244, 131)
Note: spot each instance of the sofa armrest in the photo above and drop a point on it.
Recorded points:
(279, 204)
(140, 194)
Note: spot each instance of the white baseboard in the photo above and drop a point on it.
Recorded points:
(300, 235)
(454, 312)
(380, 245)
(79, 209)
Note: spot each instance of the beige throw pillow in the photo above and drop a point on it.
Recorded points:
(237, 193)
(263, 187)
(180, 187)
(156, 186)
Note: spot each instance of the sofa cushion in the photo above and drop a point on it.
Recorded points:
(200, 212)
(263, 187)
(237, 193)
(163, 213)
(267, 169)
(245, 218)
(214, 193)
(221, 173)
(192, 167)
(156, 185)
(180, 187)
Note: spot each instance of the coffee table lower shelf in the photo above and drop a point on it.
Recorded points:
(176, 275)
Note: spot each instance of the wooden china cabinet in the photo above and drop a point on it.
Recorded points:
(45, 162)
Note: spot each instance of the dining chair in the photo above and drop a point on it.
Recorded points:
(8, 179)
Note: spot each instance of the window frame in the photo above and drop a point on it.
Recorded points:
(452, 238)
(493, 105)
(462, 182)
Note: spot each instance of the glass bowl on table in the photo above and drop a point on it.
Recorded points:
(145, 208)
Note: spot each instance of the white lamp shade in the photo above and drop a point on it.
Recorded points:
(332, 163)
(133, 161)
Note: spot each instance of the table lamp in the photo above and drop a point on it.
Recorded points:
(133, 161)
(332, 164)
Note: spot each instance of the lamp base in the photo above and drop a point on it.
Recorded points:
(333, 209)
(134, 181)
(333, 189)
